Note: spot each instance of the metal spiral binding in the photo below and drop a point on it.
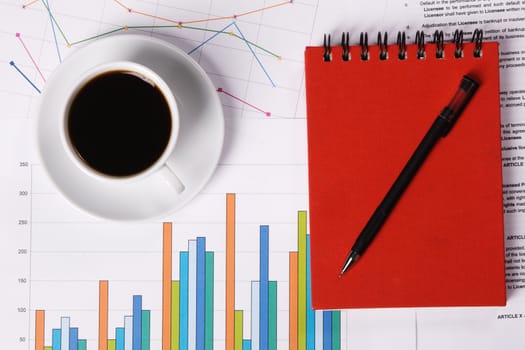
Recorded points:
(363, 42)
(382, 43)
(327, 55)
(383, 46)
(420, 41)
(402, 46)
(345, 43)
(477, 39)
(458, 40)
(440, 44)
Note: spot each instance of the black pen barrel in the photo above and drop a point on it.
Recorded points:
(439, 128)
(379, 216)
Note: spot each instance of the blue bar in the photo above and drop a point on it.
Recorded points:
(119, 338)
(56, 340)
(263, 292)
(137, 322)
(183, 274)
(327, 330)
(192, 294)
(64, 333)
(73, 338)
(310, 313)
(246, 344)
(201, 291)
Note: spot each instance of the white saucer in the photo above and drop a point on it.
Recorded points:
(196, 153)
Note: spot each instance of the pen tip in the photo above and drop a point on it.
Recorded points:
(350, 260)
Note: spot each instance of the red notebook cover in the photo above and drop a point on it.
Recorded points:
(443, 244)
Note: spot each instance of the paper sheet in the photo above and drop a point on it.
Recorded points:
(53, 256)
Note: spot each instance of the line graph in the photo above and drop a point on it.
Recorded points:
(175, 24)
(178, 23)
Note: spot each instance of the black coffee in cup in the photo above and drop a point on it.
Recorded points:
(119, 123)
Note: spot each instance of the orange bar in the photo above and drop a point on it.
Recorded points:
(166, 286)
(293, 301)
(39, 329)
(103, 315)
(230, 271)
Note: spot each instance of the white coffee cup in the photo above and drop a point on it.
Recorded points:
(179, 171)
(162, 164)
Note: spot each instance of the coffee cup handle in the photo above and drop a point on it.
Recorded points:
(170, 176)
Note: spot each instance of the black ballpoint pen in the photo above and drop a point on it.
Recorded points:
(439, 128)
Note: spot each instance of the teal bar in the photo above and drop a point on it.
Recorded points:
(208, 332)
(82, 344)
(146, 329)
(336, 330)
(272, 315)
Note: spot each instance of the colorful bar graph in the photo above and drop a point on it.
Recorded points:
(187, 313)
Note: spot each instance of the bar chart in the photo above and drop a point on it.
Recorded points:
(188, 311)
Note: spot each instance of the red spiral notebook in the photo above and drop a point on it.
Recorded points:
(443, 244)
